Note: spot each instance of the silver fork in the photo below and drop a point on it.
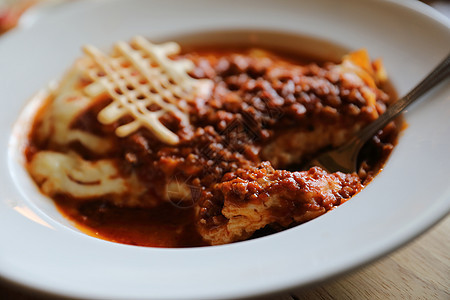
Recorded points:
(344, 158)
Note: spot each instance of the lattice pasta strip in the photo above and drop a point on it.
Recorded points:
(143, 83)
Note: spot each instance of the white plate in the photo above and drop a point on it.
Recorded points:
(41, 250)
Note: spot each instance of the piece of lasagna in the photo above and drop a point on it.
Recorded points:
(216, 135)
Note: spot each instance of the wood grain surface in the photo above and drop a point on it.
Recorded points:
(420, 270)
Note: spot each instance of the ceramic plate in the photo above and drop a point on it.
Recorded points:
(43, 251)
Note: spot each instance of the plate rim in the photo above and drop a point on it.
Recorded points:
(387, 250)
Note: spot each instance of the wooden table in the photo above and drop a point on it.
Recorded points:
(419, 270)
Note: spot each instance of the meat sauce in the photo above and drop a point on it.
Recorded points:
(162, 226)
(171, 224)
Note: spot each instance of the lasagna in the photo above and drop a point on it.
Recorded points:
(154, 146)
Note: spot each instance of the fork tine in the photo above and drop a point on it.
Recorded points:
(342, 159)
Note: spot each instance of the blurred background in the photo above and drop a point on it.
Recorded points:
(12, 10)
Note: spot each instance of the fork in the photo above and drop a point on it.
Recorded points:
(344, 158)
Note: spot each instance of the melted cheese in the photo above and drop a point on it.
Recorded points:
(66, 103)
(135, 76)
(145, 84)
(70, 174)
